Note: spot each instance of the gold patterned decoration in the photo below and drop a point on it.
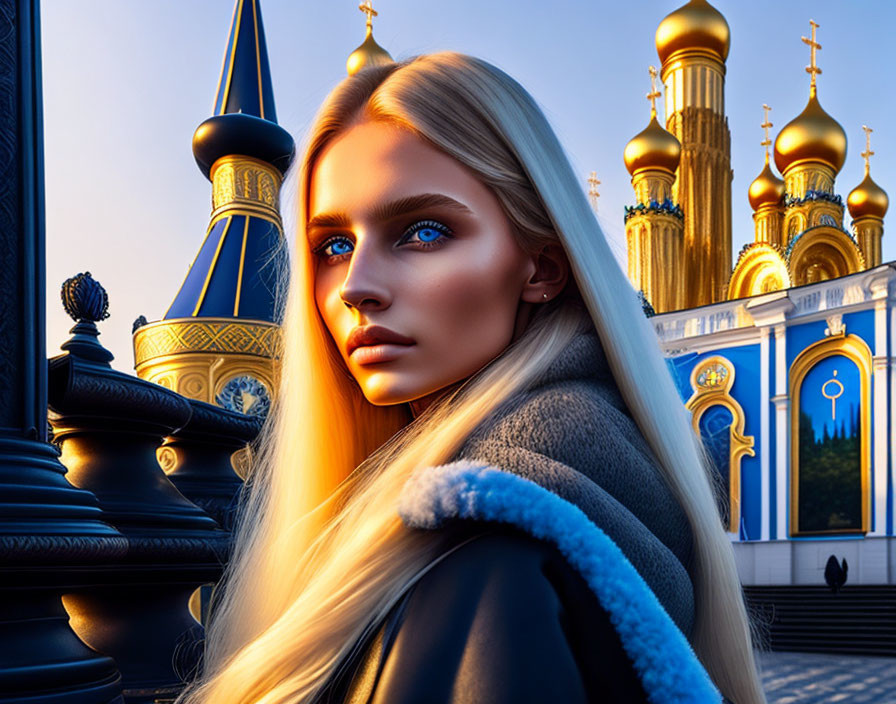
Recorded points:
(178, 335)
(712, 380)
(822, 254)
(248, 185)
(761, 268)
(203, 376)
(857, 351)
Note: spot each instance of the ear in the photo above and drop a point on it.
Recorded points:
(550, 277)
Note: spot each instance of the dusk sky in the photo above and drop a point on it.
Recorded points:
(126, 82)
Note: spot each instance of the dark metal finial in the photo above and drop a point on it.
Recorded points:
(84, 298)
(139, 323)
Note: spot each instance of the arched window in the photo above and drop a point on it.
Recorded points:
(714, 426)
(719, 420)
(830, 437)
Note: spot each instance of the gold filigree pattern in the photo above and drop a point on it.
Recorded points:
(244, 182)
(175, 336)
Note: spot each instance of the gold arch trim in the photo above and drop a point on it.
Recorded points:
(760, 269)
(717, 392)
(857, 351)
(827, 249)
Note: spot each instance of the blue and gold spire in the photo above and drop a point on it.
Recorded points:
(244, 152)
(222, 326)
(245, 82)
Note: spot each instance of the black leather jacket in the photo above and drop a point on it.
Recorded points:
(502, 618)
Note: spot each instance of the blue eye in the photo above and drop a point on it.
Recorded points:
(429, 233)
(336, 246)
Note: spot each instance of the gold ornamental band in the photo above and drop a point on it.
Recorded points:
(180, 335)
(243, 181)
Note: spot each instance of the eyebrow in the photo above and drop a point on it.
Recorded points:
(391, 210)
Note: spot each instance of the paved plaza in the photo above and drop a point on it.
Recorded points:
(810, 678)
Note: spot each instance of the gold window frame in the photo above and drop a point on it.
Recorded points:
(857, 351)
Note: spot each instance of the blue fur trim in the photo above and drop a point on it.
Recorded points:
(670, 671)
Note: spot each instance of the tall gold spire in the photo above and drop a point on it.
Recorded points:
(369, 53)
(692, 43)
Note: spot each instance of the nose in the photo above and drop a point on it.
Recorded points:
(364, 287)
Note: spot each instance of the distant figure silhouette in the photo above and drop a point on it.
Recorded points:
(834, 574)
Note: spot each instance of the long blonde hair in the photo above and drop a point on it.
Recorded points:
(320, 551)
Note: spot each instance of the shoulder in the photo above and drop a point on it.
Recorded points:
(436, 498)
(501, 617)
(584, 425)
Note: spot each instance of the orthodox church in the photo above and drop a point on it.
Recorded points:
(785, 359)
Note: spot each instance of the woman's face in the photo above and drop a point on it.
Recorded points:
(407, 239)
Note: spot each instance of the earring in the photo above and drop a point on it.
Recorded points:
(545, 296)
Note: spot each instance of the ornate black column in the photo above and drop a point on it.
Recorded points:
(50, 532)
(109, 426)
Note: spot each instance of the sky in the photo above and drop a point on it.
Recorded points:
(126, 82)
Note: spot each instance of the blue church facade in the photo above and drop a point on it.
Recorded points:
(791, 393)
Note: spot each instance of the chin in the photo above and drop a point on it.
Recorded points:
(382, 392)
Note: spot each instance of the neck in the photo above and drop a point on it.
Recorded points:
(418, 405)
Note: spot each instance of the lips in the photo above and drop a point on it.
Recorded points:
(375, 335)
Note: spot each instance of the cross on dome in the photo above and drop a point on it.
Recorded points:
(593, 183)
(814, 46)
(867, 154)
(766, 125)
(654, 93)
(367, 8)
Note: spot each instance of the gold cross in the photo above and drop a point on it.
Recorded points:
(593, 183)
(867, 153)
(654, 93)
(766, 126)
(367, 8)
(814, 46)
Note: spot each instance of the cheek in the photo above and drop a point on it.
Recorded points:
(477, 299)
(326, 296)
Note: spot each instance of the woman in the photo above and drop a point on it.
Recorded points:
(478, 483)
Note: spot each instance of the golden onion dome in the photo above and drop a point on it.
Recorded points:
(697, 26)
(368, 54)
(867, 199)
(813, 135)
(766, 189)
(652, 148)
